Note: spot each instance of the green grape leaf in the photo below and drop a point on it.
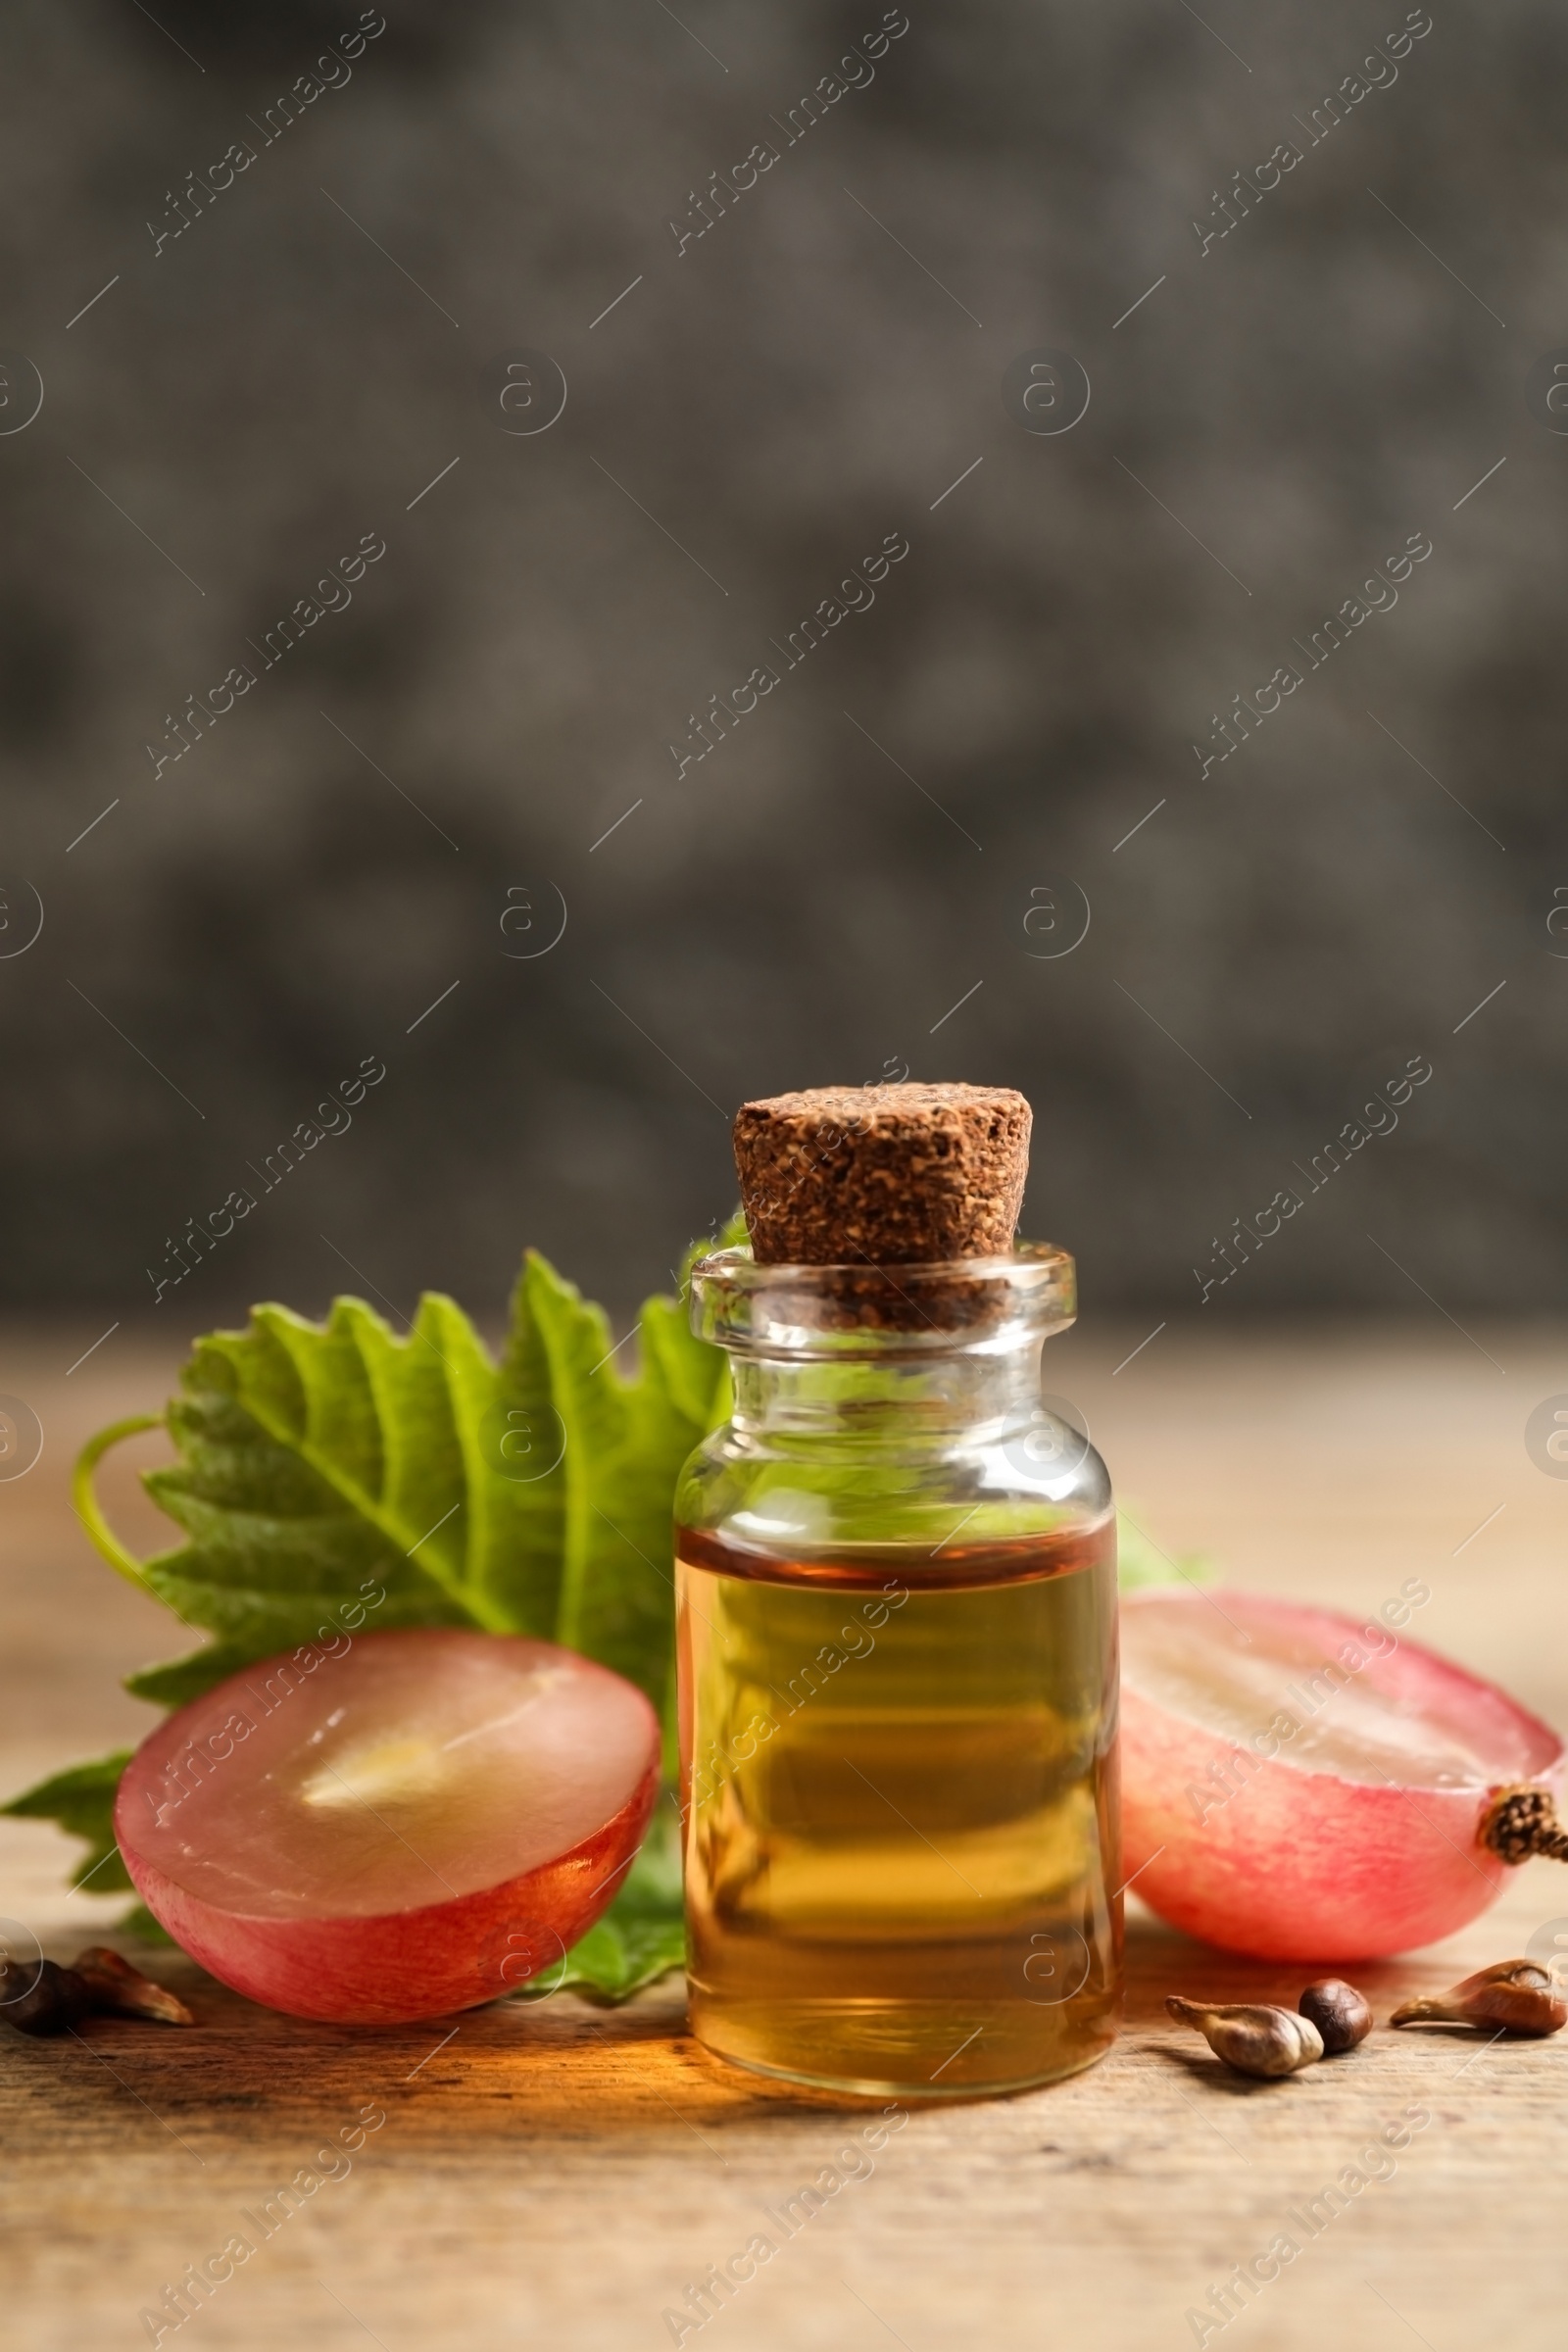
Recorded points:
(641, 1938)
(620, 1954)
(182, 1678)
(337, 1475)
(82, 1799)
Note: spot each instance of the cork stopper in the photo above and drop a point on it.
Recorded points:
(882, 1176)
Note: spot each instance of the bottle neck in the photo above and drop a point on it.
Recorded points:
(895, 1404)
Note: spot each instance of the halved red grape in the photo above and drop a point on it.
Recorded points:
(412, 1826)
(1299, 1785)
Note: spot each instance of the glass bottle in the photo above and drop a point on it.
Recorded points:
(897, 1642)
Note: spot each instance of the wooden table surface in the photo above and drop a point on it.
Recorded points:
(556, 2175)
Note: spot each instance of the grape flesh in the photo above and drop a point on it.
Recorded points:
(1299, 1785)
(416, 1824)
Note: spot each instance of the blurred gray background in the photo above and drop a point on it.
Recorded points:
(405, 806)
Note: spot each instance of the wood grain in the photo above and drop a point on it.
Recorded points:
(557, 2174)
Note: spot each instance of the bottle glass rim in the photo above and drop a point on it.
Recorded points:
(847, 1311)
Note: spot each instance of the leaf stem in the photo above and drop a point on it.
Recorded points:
(84, 1497)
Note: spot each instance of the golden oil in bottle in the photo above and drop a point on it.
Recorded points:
(900, 1804)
